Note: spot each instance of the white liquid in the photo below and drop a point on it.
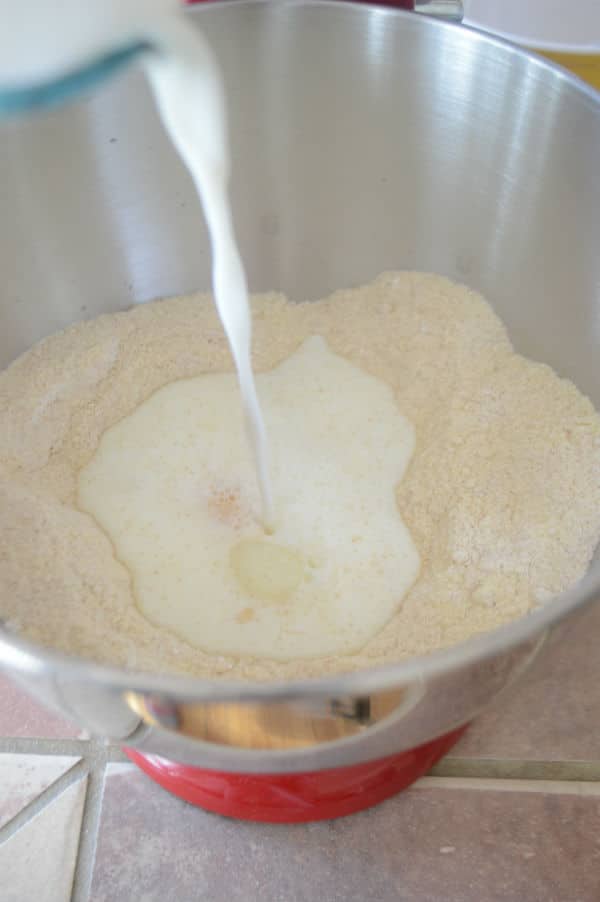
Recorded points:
(342, 558)
(189, 93)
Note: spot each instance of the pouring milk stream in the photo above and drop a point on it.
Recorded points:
(187, 86)
(340, 537)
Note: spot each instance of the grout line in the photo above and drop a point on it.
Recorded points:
(547, 787)
(116, 754)
(75, 773)
(88, 839)
(93, 755)
(515, 769)
(450, 766)
(27, 746)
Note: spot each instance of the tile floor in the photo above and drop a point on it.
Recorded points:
(513, 815)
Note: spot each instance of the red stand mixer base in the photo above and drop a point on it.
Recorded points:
(291, 798)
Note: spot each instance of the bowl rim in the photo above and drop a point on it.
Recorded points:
(29, 658)
(525, 32)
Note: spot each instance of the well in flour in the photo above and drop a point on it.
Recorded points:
(501, 497)
(339, 559)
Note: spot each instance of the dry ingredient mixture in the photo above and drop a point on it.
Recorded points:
(502, 496)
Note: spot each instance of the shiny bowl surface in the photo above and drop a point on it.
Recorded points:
(364, 139)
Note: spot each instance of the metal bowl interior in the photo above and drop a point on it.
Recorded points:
(363, 139)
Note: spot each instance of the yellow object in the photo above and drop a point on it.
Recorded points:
(568, 33)
(265, 570)
(585, 65)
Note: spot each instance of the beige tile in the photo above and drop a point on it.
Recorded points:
(24, 777)
(430, 844)
(21, 716)
(554, 712)
(37, 863)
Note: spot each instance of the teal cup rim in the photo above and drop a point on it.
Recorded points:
(22, 99)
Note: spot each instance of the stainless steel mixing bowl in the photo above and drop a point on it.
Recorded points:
(364, 139)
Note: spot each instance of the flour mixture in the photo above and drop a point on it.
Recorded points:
(500, 500)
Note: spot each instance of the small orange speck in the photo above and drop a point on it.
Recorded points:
(224, 505)
(245, 615)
